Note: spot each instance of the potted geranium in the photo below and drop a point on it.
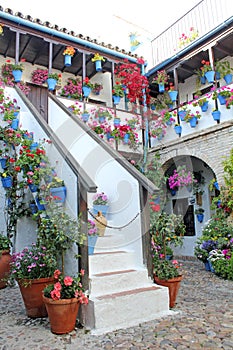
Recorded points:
(33, 269)
(87, 87)
(200, 214)
(72, 89)
(17, 70)
(97, 88)
(225, 70)
(117, 92)
(5, 257)
(100, 203)
(57, 189)
(92, 236)
(62, 300)
(39, 76)
(161, 79)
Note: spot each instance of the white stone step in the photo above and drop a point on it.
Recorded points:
(111, 261)
(113, 282)
(110, 242)
(126, 309)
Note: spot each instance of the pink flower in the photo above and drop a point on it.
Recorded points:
(55, 294)
(68, 281)
(57, 286)
(57, 274)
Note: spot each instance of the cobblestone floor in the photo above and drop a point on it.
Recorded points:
(204, 320)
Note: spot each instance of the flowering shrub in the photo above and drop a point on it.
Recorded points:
(32, 263)
(72, 89)
(181, 177)
(118, 89)
(100, 199)
(86, 82)
(97, 88)
(39, 76)
(66, 287)
(189, 116)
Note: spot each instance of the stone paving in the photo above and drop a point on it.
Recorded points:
(203, 320)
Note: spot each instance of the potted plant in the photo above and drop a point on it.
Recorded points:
(192, 118)
(57, 189)
(68, 53)
(17, 70)
(178, 128)
(200, 214)
(97, 88)
(5, 258)
(172, 92)
(181, 177)
(202, 102)
(207, 71)
(117, 92)
(72, 89)
(161, 79)
(225, 70)
(62, 300)
(166, 228)
(52, 80)
(98, 59)
(92, 236)
(33, 269)
(100, 203)
(87, 87)
(204, 245)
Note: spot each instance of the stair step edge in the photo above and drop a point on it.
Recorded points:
(128, 292)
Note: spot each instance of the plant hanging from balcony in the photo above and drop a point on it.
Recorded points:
(136, 84)
(72, 89)
(181, 177)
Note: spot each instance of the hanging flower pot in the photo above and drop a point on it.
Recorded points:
(210, 76)
(178, 129)
(67, 60)
(228, 78)
(17, 74)
(173, 95)
(6, 181)
(193, 122)
(86, 91)
(217, 75)
(59, 194)
(40, 206)
(126, 139)
(3, 162)
(15, 124)
(85, 117)
(216, 115)
(98, 66)
(100, 207)
(116, 99)
(102, 119)
(203, 80)
(222, 99)
(182, 115)
(33, 187)
(51, 84)
(204, 106)
(200, 217)
(91, 243)
(34, 146)
(117, 121)
(161, 87)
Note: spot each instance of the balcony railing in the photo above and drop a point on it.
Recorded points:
(203, 18)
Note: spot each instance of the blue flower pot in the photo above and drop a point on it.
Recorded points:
(3, 162)
(102, 119)
(34, 146)
(210, 76)
(228, 78)
(207, 265)
(203, 80)
(33, 187)
(216, 115)
(86, 91)
(15, 124)
(100, 207)
(178, 129)
(51, 84)
(39, 205)
(126, 139)
(222, 99)
(91, 244)
(17, 74)
(200, 217)
(98, 66)
(217, 76)
(59, 193)
(6, 181)
(182, 115)
(193, 122)
(205, 106)
(116, 99)
(117, 121)
(67, 60)
(85, 117)
(161, 87)
(173, 95)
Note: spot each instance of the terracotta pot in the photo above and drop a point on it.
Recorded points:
(173, 285)
(62, 314)
(5, 258)
(31, 291)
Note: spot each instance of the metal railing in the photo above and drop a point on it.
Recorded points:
(202, 18)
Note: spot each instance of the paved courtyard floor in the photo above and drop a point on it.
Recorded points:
(203, 320)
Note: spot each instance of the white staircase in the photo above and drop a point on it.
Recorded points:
(121, 293)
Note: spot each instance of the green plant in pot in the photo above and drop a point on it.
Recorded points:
(5, 257)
